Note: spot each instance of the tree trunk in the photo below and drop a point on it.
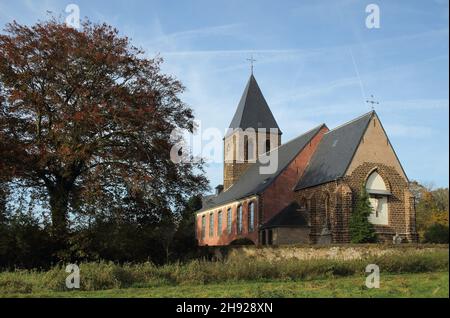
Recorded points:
(59, 201)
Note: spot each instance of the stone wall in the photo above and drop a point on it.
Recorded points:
(339, 252)
(400, 208)
(342, 196)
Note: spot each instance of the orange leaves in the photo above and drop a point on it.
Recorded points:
(78, 116)
(92, 109)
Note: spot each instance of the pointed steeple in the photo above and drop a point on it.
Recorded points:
(253, 111)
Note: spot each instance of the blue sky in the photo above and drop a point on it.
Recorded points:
(316, 62)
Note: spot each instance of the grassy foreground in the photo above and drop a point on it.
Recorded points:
(404, 273)
(401, 285)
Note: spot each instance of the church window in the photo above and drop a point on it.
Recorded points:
(234, 148)
(239, 219)
(251, 217)
(249, 150)
(378, 197)
(229, 220)
(219, 223)
(246, 153)
(203, 226)
(267, 145)
(211, 224)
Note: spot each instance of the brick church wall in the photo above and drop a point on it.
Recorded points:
(277, 196)
(225, 238)
(280, 193)
(400, 208)
(342, 196)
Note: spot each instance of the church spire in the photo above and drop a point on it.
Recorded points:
(253, 110)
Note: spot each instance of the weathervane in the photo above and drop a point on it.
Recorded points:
(251, 59)
(372, 102)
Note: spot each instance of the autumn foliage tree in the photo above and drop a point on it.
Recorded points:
(86, 118)
(432, 211)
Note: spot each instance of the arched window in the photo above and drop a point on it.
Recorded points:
(250, 150)
(211, 224)
(234, 148)
(245, 148)
(304, 210)
(267, 145)
(228, 152)
(239, 219)
(219, 223)
(203, 227)
(378, 197)
(251, 216)
(229, 220)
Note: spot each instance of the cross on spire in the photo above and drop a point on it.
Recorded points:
(251, 60)
(372, 102)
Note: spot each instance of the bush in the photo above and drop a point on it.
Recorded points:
(436, 233)
(13, 285)
(361, 230)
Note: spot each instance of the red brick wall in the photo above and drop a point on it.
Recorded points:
(280, 193)
(224, 238)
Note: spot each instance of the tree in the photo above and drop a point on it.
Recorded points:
(361, 230)
(440, 195)
(436, 233)
(184, 240)
(431, 207)
(86, 118)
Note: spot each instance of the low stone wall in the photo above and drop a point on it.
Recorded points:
(341, 252)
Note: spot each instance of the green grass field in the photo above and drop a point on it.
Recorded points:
(404, 273)
(399, 285)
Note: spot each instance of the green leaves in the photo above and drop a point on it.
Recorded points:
(361, 230)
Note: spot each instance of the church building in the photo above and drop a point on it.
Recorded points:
(309, 194)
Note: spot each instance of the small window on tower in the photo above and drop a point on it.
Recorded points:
(267, 145)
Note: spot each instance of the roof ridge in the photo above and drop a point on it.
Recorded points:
(351, 121)
(328, 166)
(295, 138)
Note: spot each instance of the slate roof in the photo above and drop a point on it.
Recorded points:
(334, 153)
(287, 217)
(252, 181)
(253, 110)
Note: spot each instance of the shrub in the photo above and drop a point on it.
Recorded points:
(13, 285)
(361, 230)
(436, 233)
